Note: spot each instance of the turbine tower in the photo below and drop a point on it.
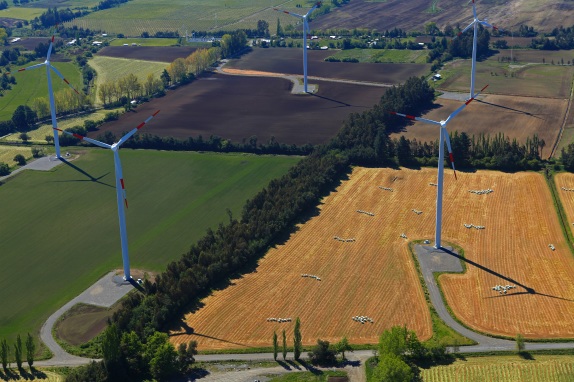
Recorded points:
(120, 187)
(305, 32)
(49, 66)
(474, 24)
(442, 139)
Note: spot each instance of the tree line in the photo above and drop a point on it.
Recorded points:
(5, 353)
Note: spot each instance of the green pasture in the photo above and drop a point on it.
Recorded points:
(33, 84)
(112, 69)
(7, 154)
(307, 376)
(526, 56)
(384, 55)
(152, 16)
(72, 4)
(549, 81)
(60, 230)
(556, 368)
(38, 135)
(144, 41)
(21, 13)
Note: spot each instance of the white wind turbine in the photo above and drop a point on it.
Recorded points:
(305, 32)
(443, 138)
(120, 187)
(49, 66)
(474, 24)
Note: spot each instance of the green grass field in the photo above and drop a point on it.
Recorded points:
(555, 368)
(72, 4)
(112, 69)
(7, 154)
(60, 231)
(384, 55)
(153, 16)
(144, 41)
(33, 84)
(39, 135)
(21, 13)
(551, 81)
(307, 376)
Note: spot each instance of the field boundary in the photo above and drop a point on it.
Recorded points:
(550, 181)
(564, 121)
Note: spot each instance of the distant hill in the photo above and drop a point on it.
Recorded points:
(543, 15)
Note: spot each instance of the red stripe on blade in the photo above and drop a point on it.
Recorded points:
(122, 182)
(484, 87)
(410, 117)
(469, 101)
(78, 136)
(140, 125)
(451, 158)
(154, 114)
(126, 202)
(21, 70)
(66, 81)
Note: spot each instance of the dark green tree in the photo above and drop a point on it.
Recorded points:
(322, 354)
(186, 355)
(24, 137)
(284, 345)
(262, 28)
(343, 346)
(275, 346)
(279, 32)
(18, 352)
(404, 154)
(111, 350)
(392, 368)
(23, 118)
(20, 159)
(297, 340)
(4, 354)
(165, 78)
(30, 350)
(4, 169)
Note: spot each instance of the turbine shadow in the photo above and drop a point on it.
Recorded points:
(538, 293)
(219, 339)
(508, 108)
(91, 178)
(494, 273)
(343, 104)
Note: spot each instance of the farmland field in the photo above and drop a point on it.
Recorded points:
(413, 15)
(153, 16)
(65, 221)
(40, 133)
(374, 276)
(566, 180)
(516, 117)
(21, 13)
(147, 53)
(144, 41)
(7, 154)
(383, 55)
(111, 69)
(549, 81)
(237, 108)
(556, 368)
(290, 61)
(33, 84)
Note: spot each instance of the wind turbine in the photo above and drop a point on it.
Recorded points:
(120, 187)
(443, 138)
(49, 66)
(305, 32)
(474, 24)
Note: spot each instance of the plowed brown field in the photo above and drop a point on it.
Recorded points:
(374, 275)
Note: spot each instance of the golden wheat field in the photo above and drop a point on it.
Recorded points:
(374, 275)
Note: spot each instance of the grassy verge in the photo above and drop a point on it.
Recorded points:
(442, 333)
(564, 225)
(308, 376)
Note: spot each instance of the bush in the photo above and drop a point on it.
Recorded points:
(332, 59)
(4, 169)
(350, 59)
(20, 159)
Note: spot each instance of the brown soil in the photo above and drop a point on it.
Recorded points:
(290, 61)
(83, 322)
(236, 108)
(148, 53)
(516, 117)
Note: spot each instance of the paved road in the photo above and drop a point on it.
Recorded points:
(105, 292)
(40, 164)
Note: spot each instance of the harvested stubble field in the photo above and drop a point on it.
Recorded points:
(374, 275)
(557, 368)
(566, 180)
(290, 61)
(237, 108)
(148, 53)
(516, 117)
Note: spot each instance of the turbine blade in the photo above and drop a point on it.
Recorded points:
(411, 117)
(486, 24)
(128, 135)
(62, 77)
(32, 67)
(454, 113)
(450, 156)
(474, 10)
(290, 13)
(82, 138)
(50, 49)
(465, 29)
(311, 10)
